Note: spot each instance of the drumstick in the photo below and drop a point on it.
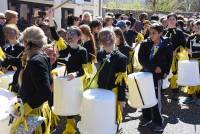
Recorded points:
(65, 71)
(60, 5)
(139, 91)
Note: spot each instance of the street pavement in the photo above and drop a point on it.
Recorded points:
(178, 118)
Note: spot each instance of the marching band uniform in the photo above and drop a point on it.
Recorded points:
(150, 57)
(178, 41)
(75, 59)
(35, 91)
(193, 44)
(112, 75)
(89, 68)
(59, 42)
(14, 51)
(13, 59)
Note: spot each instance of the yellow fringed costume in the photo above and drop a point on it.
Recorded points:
(90, 71)
(60, 44)
(2, 55)
(130, 66)
(178, 56)
(51, 119)
(139, 38)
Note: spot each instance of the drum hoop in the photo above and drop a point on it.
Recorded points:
(139, 90)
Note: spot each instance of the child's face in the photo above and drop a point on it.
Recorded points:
(110, 22)
(171, 21)
(14, 20)
(12, 35)
(117, 41)
(97, 29)
(72, 36)
(84, 37)
(155, 35)
(197, 29)
(164, 22)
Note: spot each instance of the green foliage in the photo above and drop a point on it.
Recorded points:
(117, 4)
(154, 5)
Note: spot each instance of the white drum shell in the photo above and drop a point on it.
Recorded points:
(6, 79)
(98, 112)
(188, 73)
(146, 87)
(5, 98)
(67, 96)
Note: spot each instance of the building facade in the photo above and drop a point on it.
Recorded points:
(26, 8)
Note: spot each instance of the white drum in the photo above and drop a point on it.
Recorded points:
(5, 98)
(188, 73)
(60, 70)
(67, 96)
(98, 112)
(6, 79)
(141, 90)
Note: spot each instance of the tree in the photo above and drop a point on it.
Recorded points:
(124, 4)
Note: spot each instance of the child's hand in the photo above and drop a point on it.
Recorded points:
(71, 76)
(158, 70)
(50, 14)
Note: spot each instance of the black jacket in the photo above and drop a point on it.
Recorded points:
(107, 75)
(162, 59)
(2, 37)
(193, 43)
(76, 58)
(36, 79)
(176, 37)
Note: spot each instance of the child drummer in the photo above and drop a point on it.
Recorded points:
(111, 74)
(155, 56)
(193, 45)
(177, 38)
(74, 56)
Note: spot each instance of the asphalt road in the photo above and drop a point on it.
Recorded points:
(178, 118)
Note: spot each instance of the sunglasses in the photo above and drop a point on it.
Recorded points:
(2, 18)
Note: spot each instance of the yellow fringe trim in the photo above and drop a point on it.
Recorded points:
(70, 127)
(89, 70)
(173, 83)
(119, 116)
(191, 89)
(2, 55)
(120, 77)
(1, 73)
(182, 55)
(44, 111)
(139, 38)
(60, 44)
(130, 67)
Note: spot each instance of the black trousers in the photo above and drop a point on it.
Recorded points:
(154, 113)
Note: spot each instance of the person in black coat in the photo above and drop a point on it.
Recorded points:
(124, 48)
(113, 66)
(2, 22)
(177, 39)
(35, 79)
(155, 56)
